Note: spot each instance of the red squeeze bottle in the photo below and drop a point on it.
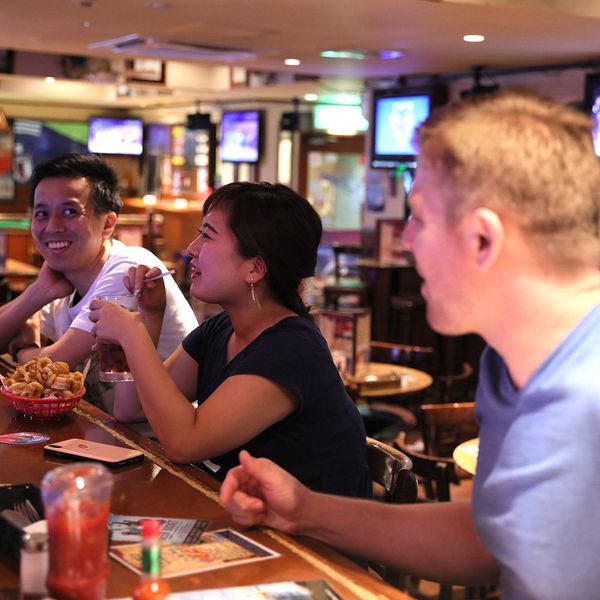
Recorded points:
(151, 586)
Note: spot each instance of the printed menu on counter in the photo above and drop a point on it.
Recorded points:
(216, 549)
(128, 528)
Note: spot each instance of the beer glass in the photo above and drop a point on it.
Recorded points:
(113, 362)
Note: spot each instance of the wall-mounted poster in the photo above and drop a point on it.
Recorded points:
(7, 185)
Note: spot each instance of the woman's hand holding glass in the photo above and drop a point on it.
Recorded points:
(152, 297)
(113, 322)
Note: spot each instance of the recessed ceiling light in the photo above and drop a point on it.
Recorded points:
(291, 62)
(473, 37)
(159, 5)
(310, 97)
(87, 24)
(49, 80)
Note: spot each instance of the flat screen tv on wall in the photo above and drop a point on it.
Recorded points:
(116, 136)
(395, 115)
(592, 104)
(38, 141)
(241, 133)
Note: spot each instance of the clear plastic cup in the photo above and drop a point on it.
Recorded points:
(77, 505)
(113, 362)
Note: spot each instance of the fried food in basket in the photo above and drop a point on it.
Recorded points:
(41, 377)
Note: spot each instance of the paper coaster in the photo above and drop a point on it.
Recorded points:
(24, 437)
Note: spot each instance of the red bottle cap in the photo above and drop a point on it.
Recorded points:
(150, 528)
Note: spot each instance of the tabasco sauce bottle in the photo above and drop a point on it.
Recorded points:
(151, 586)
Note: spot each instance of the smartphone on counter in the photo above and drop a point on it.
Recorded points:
(107, 454)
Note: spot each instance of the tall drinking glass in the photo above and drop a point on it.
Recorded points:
(77, 505)
(113, 362)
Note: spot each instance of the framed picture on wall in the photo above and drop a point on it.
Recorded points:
(7, 184)
(148, 70)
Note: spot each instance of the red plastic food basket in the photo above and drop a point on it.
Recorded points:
(42, 409)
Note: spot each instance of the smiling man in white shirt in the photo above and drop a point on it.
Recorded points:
(75, 203)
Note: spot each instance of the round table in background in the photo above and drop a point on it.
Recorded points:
(383, 380)
(465, 455)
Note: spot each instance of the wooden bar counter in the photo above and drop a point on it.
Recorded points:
(157, 487)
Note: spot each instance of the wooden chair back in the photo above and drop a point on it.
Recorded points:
(455, 387)
(435, 473)
(418, 357)
(391, 469)
(444, 426)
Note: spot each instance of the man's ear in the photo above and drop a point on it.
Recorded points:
(487, 235)
(110, 222)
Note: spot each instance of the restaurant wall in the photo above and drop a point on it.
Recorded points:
(565, 86)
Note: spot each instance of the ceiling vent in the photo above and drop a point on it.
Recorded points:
(147, 46)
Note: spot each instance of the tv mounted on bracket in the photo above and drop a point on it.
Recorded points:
(592, 104)
(116, 136)
(241, 133)
(395, 115)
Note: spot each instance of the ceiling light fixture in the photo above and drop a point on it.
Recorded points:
(390, 54)
(159, 5)
(348, 54)
(49, 80)
(311, 97)
(473, 37)
(292, 62)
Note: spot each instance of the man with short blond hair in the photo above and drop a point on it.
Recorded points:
(505, 234)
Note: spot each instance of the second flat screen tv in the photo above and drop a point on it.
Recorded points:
(592, 104)
(116, 136)
(396, 114)
(241, 136)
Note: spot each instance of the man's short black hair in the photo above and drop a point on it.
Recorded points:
(103, 180)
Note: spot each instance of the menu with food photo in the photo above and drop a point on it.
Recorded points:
(128, 528)
(217, 549)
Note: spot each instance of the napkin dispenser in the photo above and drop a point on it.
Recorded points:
(10, 534)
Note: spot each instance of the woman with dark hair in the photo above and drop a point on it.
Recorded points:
(260, 371)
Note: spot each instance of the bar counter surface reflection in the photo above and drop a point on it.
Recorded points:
(164, 489)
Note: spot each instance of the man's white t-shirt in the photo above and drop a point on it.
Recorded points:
(179, 319)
